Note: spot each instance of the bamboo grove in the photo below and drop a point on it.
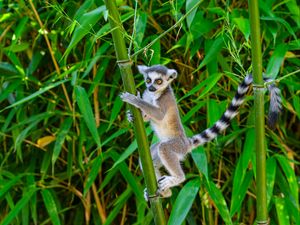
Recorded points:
(69, 156)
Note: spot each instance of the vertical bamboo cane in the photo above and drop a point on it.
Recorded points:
(261, 194)
(139, 129)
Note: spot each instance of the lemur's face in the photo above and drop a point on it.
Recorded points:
(157, 78)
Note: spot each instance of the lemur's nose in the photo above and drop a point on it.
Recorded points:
(152, 89)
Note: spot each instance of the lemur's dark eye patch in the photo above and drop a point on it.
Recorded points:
(148, 80)
(158, 81)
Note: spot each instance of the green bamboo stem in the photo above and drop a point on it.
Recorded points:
(139, 129)
(261, 193)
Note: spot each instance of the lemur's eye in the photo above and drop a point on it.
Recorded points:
(148, 80)
(158, 81)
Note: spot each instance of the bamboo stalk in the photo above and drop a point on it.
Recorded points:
(261, 186)
(139, 129)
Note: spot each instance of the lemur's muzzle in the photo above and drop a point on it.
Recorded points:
(152, 89)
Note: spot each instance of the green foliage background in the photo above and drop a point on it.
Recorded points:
(67, 153)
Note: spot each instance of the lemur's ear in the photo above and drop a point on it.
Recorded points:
(171, 74)
(142, 69)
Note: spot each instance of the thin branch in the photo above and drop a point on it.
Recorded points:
(45, 32)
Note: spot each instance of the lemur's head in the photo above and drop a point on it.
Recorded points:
(158, 77)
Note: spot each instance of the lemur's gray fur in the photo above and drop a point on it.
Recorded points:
(158, 105)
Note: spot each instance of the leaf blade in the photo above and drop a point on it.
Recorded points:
(184, 202)
(85, 108)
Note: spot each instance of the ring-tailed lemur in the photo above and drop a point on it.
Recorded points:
(158, 105)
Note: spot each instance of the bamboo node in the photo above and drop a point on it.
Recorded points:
(154, 196)
(259, 87)
(263, 222)
(124, 63)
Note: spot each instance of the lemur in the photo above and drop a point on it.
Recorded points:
(158, 105)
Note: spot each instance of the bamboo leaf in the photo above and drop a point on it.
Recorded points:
(199, 157)
(50, 206)
(140, 28)
(271, 174)
(184, 202)
(122, 199)
(207, 85)
(95, 169)
(115, 111)
(123, 168)
(85, 24)
(200, 26)
(34, 63)
(243, 25)
(276, 61)
(283, 22)
(7, 69)
(294, 10)
(35, 94)
(87, 112)
(22, 136)
(18, 207)
(19, 29)
(242, 167)
(128, 151)
(63, 131)
(211, 53)
(218, 199)
(7, 185)
(192, 111)
(191, 16)
(282, 213)
(17, 47)
(9, 89)
(291, 203)
(290, 176)
(156, 47)
(240, 194)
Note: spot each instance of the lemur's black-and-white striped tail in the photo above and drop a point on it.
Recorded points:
(274, 110)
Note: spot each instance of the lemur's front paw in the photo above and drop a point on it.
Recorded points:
(130, 117)
(127, 97)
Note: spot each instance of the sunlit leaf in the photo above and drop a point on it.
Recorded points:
(44, 141)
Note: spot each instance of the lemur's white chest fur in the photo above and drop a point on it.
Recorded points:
(170, 124)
